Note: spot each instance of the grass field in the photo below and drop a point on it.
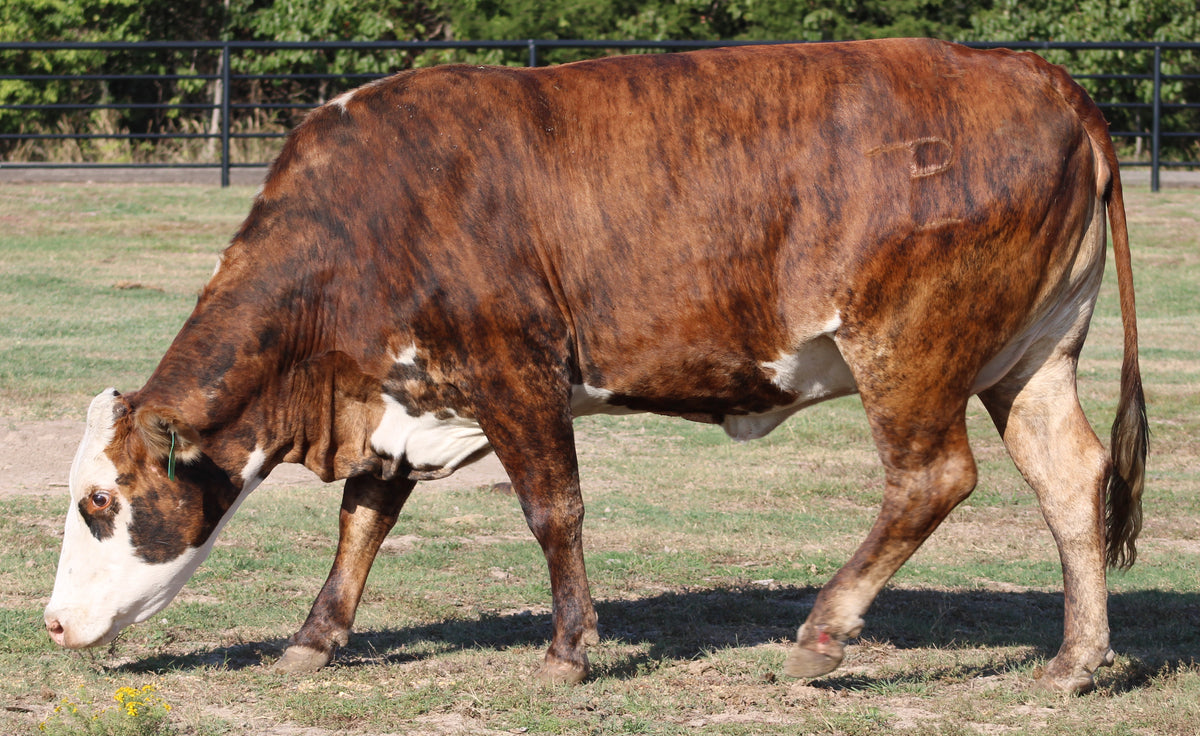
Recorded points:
(704, 555)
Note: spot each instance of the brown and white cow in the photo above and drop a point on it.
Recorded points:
(460, 259)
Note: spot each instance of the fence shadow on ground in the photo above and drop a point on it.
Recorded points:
(1159, 631)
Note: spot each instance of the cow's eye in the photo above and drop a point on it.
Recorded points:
(100, 500)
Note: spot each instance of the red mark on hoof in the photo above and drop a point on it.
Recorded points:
(823, 638)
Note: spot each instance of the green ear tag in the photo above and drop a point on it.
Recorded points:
(171, 459)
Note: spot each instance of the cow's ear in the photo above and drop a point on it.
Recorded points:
(166, 436)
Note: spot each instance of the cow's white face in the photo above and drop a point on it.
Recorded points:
(133, 536)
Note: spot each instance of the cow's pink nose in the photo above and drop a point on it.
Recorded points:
(56, 631)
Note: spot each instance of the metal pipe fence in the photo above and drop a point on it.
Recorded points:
(209, 95)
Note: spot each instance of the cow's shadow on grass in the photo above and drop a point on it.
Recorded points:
(1157, 630)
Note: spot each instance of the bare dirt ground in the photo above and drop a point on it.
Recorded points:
(35, 458)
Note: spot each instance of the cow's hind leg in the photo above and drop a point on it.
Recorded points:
(929, 470)
(370, 507)
(1060, 456)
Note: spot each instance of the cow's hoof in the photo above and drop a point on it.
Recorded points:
(1069, 680)
(1076, 684)
(558, 672)
(301, 660)
(808, 663)
(814, 658)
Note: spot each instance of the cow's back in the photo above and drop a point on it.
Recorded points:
(699, 214)
(719, 211)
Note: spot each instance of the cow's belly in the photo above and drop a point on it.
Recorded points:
(444, 441)
(813, 373)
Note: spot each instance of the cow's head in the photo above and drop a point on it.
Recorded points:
(146, 506)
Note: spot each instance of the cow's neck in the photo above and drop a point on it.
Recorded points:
(258, 391)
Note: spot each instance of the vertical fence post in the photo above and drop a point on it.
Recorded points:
(532, 44)
(226, 123)
(1156, 140)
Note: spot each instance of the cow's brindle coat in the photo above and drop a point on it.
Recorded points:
(725, 235)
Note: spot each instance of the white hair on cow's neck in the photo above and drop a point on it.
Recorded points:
(426, 441)
(407, 356)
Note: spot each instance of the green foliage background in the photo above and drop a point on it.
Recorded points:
(372, 20)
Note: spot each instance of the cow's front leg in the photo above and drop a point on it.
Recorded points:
(555, 516)
(538, 452)
(924, 483)
(369, 510)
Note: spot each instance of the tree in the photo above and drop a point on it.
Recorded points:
(775, 20)
(174, 77)
(57, 20)
(331, 70)
(94, 20)
(833, 20)
(192, 75)
(1112, 21)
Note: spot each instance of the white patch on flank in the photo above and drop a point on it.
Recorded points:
(1070, 314)
(426, 442)
(813, 373)
(102, 586)
(217, 268)
(1000, 365)
(833, 325)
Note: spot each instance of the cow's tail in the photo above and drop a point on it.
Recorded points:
(1130, 437)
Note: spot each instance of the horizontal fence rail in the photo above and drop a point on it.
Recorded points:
(225, 105)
